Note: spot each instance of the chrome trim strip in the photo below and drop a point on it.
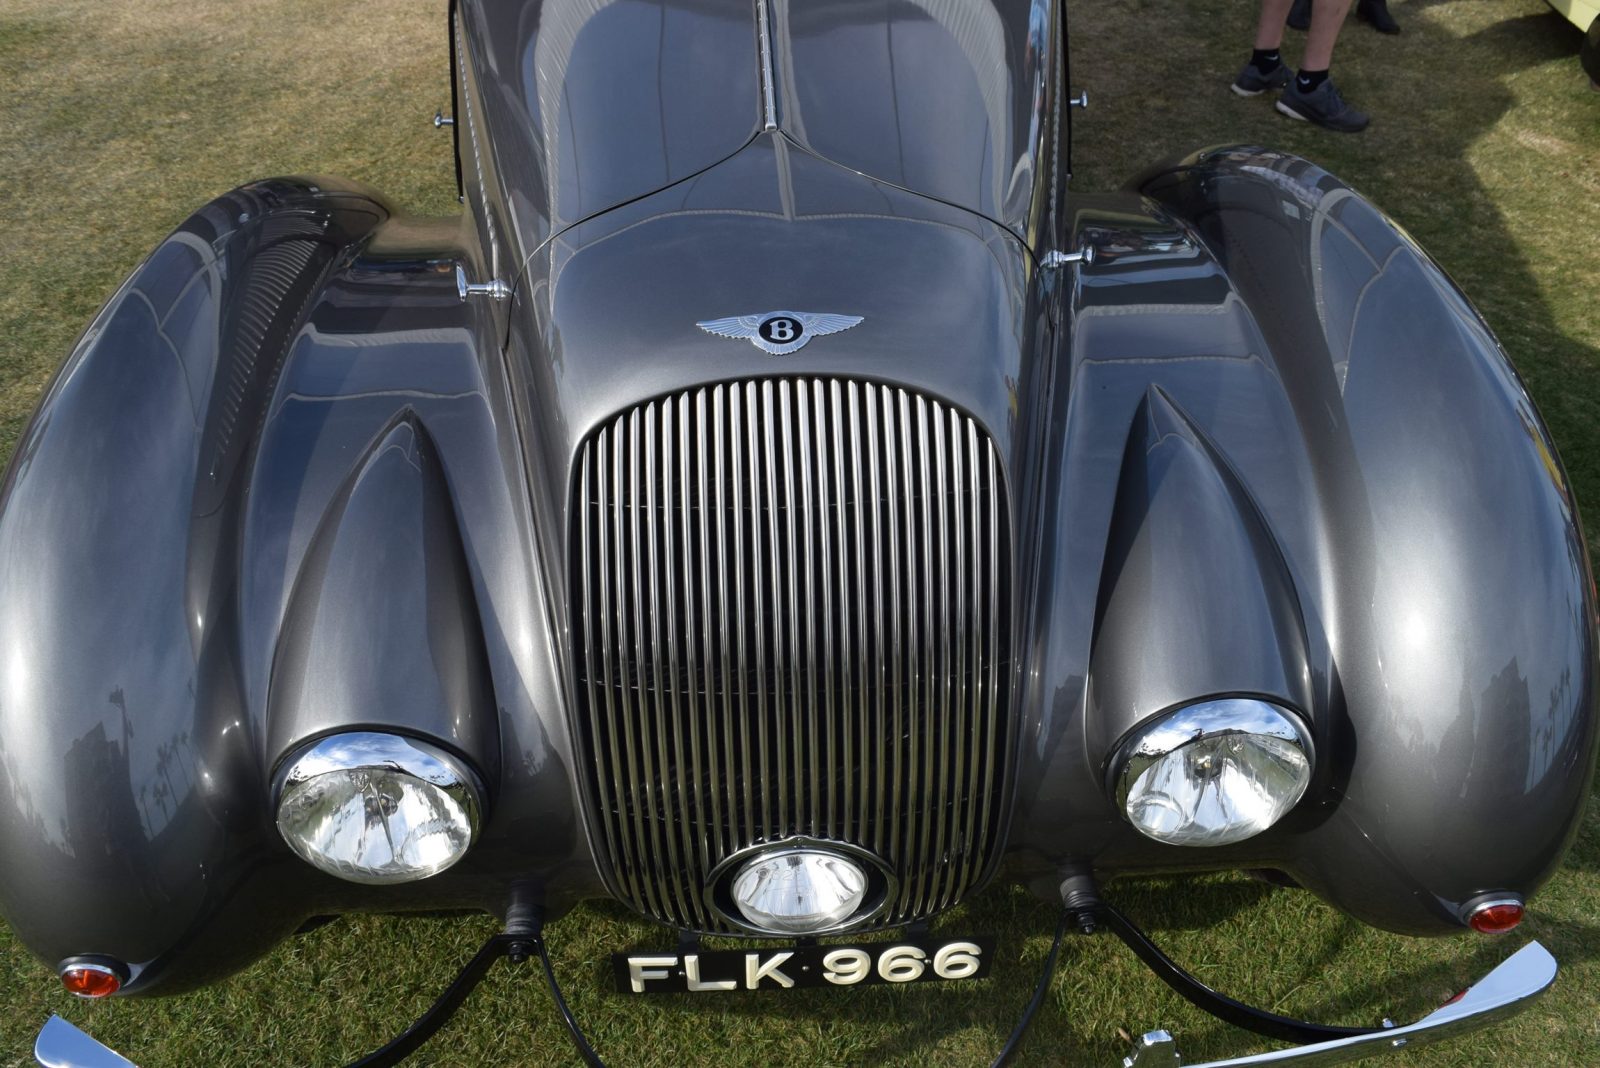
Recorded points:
(762, 474)
(896, 458)
(717, 651)
(628, 623)
(658, 780)
(61, 1045)
(790, 741)
(1504, 992)
(769, 92)
(477, 154)
(943, 767)
(693, 635)
(847, 715)
(992, 768)
(735, 476)
(876, 467)
(813, 761)
(963, 526)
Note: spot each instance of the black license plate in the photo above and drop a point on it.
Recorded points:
(917, 960)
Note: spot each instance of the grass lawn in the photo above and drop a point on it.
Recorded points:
(118, 119)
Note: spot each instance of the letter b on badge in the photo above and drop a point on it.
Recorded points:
(781, 329)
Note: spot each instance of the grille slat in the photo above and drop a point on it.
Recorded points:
(747, 751)
(939, 766)
(894, 448)
(923, 643)
(962, 828)
(792, 600)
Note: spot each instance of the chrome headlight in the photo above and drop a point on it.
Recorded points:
(799, 891)
(378, 808)
(1214, 772)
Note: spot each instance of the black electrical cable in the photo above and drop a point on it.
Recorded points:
(590, 1057)
(439, 1013)
(1217, 1004)
(1021, 1029)
(514, 944)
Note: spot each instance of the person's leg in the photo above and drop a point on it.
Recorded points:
(1327, 17)
(1265, 69)
(1311, 96)
(1269, 31)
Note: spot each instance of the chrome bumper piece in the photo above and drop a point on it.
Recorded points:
(60, 1045)
(1504, 992)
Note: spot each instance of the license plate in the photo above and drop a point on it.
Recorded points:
(911, 961)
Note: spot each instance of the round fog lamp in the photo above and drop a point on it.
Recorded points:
(1215, 772)
(799, 891)
(377, 808)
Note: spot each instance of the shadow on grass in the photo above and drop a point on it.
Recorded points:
(1436, 100)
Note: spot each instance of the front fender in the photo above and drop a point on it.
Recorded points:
(130, 800)
(271, 474)
(1357, 439)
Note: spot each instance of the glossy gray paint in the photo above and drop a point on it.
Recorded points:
(1334, 425)
(943, 97)
(577, 106)
(288, 483)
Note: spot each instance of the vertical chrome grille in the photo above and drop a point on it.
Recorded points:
(793, 601)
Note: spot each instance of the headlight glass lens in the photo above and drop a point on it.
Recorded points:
(799, 891)
(378, 808)
(1215, 772)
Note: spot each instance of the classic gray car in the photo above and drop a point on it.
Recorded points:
(781, 504)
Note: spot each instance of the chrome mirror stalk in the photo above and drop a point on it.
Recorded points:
(1055, 259)
(494, 289)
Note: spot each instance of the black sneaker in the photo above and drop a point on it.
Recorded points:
(1323, 106)
(1252, 81)
(1300, 15)
(1377, 13)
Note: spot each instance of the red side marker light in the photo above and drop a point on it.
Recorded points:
(91, 980)
(1496, 917)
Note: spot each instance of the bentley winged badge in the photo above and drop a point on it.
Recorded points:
(780, 332)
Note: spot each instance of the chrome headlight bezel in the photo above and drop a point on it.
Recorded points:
(882, 884)
(428, 766)
(1218, 718)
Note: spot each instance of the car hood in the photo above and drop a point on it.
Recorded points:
(607, 315)
(594, 104)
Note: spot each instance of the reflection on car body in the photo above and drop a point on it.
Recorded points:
(1039, 536)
